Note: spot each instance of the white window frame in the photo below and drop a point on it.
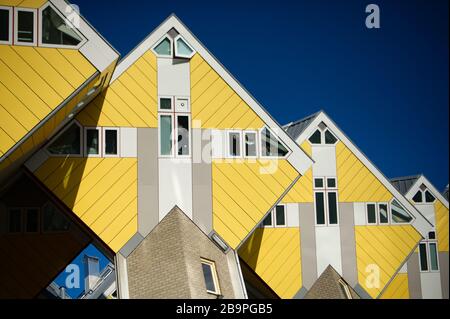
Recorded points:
(176, 55)
(376, 213)
(323, 183)
(171, 47)
(322, 137)
(261, 155)
(214, 274)
(327, 215)
(325, 205)
(175, 139)
(390, 214)
(172, 103)
(177, 98)
(104, 129)
(81, 151)
(274, 216)
(10, 26)
(100, 144)
(325, 190)
(377, 209)
(326, 183)
(46, 45)
(256, 141)
(228, 153)
(172, 119)
(16, 29)
(428, 252)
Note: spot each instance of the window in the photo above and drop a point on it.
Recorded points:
(54, 220)
(92, 142)
(183, 135)
(5, 25)
(326, 201)
(210, 276)
(164, 47)
(165, 128)
(271, 145)
(15, 220)
(250, 144)
(111, 142)
(316, 138)
(268, 220)
(423, 195)
(432, 235)
(280, 215)
(55, 31)
(234, 144)
(399, 214)
(68, 142)
(32, 220)
(25, 22)
(383, 213)
(428, 256)
(330, 138)
(371, 214)
(182, 49)
(165, 103)
(323, 136)
(182, 104)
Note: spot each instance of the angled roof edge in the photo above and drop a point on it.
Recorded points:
(97, 49)
(298, 158)
(423, 180)
(404, 184)
(294, 129)
(421, 224)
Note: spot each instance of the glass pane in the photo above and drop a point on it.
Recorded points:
(399, 214)
(15, 221)
(32, 221)
(383, 211)
(209, 279)
(166, 134)
(250, 144)
(268, 220)
(371, 214)
(235, 144)
(331, 182)
(92, 136)
(4, 25)
(54, 220)
(111, 142)
(320, 209)
(431, 235)
(68, 143)
(25, 26)
(433, 257)
(183, 135)
(316, 138)
(329, 138)
(428, 197)
(271, 146)
(280, 215)
(423, 257)
(183, 49)
(56, 31)
(165, 103)
(418, 197)
(318, 182)
(163, 48)
(332, 208)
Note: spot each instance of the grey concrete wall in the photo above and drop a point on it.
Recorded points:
(414, 284)
(308, 244)
(443, 266)
(348, 243)
(202, 180)
(148, 208)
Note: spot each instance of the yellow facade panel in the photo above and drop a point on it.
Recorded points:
(302, 191)
(214, 103)
(307, 148)
(441, 225)
(238, 205)
(102, 192)
(380, 252)
(34, 4)
(398, 288)
(356, 182)
(274, 254)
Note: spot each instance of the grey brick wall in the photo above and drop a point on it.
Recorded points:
(167, 263)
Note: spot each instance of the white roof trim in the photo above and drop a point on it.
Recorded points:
(298, 158)
(423, 180)
(422, 225)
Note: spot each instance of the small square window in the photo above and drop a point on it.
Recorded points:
(318, 182)
(331, 182)
(165, 103)
(432, 235)
(210, 276)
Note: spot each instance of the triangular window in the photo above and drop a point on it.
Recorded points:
(164, 47)
(271, 145)
(68, 143)
(316, 138)
(56, 31)
(399, 214)
(182, 49)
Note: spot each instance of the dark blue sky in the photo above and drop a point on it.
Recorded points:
(387, 89)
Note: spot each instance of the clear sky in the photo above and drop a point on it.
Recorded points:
(387, 89)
